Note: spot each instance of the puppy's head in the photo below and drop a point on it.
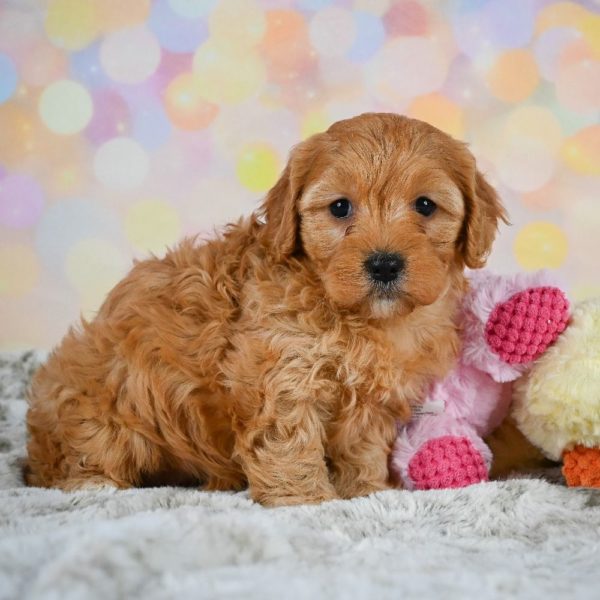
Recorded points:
(386, 208)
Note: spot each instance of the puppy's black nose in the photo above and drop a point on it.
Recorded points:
(384, 266)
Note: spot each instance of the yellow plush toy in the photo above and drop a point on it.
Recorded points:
(557, 402)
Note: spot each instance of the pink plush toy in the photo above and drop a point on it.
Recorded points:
(507, 322)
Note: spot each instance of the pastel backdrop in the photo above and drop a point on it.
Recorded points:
(125, 125)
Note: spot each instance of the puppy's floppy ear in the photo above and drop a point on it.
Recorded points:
(281, 233)
(483, 210)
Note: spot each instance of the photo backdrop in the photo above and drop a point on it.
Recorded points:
(126, 124)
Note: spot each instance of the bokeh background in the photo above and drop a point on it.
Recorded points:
(126, 124)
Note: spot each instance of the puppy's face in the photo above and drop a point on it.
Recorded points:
(387, 209)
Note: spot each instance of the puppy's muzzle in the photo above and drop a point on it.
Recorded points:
(384, 267)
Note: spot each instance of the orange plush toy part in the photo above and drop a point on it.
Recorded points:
(581, 466)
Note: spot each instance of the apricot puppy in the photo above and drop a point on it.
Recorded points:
(281, 354)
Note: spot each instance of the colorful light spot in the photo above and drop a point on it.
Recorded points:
(226, 75)
(510, 22)
(340, 75)
(406, 18)
(186, 105)
(87, 68)
(471, 30)
(114, 15)
(42, 63)
(332, 31)
(285, 45)
(535, 122)
(440, 112)
(464, 86)
(590, 27)
(65, 107)
(370, 36)
(566, 193)
(152, 225)
(570, 121)
(237, 24)
(8, 78)
(21, 201)
(130, 55)
(19, 269)
(66, 179)
(514, 76)
(377, 7)
(548, 197)
(582, 220)
(575, 52)
(525, 164)
(192, 9)
(232, 130)
(171, 65)
(406, 68)
(540, 245)
(201, 215)
(20, 133)
(313, 4)
(121, 164)
(174, 32)
(549, 46)
(560, 14)
(111, 117)
(578, 86)
(65, 171)
(93, 267)
(470, 6)
(258, 167)
(17, 29)
(581, 152)
(314, 122)
(151, 125)
(182, 155)
(68, 221)
(72, 24)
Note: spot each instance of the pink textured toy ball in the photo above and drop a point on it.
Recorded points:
(520, 329)
(447, 462)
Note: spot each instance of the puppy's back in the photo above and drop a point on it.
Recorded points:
(157, 339)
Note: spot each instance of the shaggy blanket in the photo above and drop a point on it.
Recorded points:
(522, 538)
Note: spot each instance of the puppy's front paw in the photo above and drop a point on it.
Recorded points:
(361, 488)
(273, 500)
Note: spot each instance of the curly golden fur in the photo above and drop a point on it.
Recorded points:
(267, 357)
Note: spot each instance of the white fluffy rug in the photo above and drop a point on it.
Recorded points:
(514, 539)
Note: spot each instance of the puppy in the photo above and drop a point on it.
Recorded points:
(282, 354)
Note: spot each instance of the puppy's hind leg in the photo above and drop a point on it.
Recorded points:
(68, 477)
(82, 450)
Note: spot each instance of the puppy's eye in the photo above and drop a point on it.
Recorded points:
(341, 208)
(424, 206)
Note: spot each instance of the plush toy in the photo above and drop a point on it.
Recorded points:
(507, 323)
(557, 403)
